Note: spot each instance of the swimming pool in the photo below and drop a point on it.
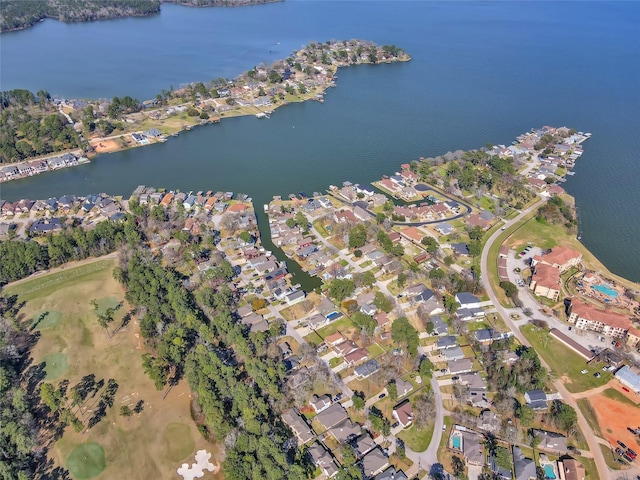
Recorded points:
(606, 290)
(333, 316)
(456, 441)
(549, 472)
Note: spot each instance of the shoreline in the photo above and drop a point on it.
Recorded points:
(305, 75)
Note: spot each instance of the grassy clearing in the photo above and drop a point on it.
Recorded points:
(86, 461)
(620, 397)
(610, 457)
(342, 325)
(48, 284)
(590, 414)
(417, 440)
(564, 363)
(142, 447)
(590, 470)
(45, 319)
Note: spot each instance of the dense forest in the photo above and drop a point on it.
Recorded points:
(31, 125)
(20, 259)
(18, 14)
(236, 377)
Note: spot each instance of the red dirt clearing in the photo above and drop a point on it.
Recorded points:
(614, 418)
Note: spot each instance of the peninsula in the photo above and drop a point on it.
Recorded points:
(451, 333)
(18, 14)
(40, 133)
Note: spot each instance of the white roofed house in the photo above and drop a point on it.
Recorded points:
(320, 403)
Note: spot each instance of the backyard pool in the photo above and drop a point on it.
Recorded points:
(549, 471)
(606, 290)
(333, 316)
(456, 442)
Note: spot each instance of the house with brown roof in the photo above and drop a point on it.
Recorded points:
(587, 317)
(345, 216)
(334, 339)
(403, 413)
(345, 348)
(562, 258)
(374, 462)
(298, 425)
(166, 200)
(323, 460)
(545, 281)
(356, 357)
(633, 336)
(570, 469)
(332, 416)
(412, 233)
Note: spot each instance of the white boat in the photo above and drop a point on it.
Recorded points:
(262, 115)
(266, 207)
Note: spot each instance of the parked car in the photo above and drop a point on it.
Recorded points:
(597, 375)
(454, 379)
(583, 371)
(619, 451)
(632, 452)
(382, 395)
(622, 444)
(395, 425)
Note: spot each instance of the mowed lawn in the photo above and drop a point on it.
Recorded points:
(565, 363)
(151, 445)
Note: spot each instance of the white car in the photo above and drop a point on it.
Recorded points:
(584, 371)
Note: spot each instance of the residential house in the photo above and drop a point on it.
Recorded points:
(295, 297)
(346, 431)
(472, 448)
(356, 357)
(439, 326)
(332, 416)
(345, 216)
(460, 248)
(587, 317)
(536, 399)
(445, 228)
(403, 413)
(323, 460)
(476, 388)
(320, 403)
(463, 365)
(367, 369)
(468, 314)
(488, 335)
(316, 321)
(571, 469)
(46, 225)
(489, 421)
(298, 425)
(345, 348)
(334, 339)
(403, 387)
(453, 353)
(444, 343)
(374, 462)
(382, 320)
(468, 300)
(551, 441)
(525, 468)
(498, 470)
(391, 474)
(363, 444)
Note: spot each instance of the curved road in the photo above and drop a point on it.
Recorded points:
(592, 440)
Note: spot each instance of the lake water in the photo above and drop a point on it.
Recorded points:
(481, 72)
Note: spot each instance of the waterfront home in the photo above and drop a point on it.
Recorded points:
(189, 202)
(403, 413)
(166, 200)
(10, 171)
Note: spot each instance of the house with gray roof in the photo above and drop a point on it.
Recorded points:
(472, 448)
(525, 468)
(551, 441)
(403, 387)
(447, 342)
(498, 470)
(460, 366)
(536, 399)
(454, 353)
(298, 425)
(332, 416)
(374, 462)
(391, 474)
(367, 369)
(439, 326)
(323, 460)
(320, 403)
(445, 228)
(346, 431)
(487, 335)
(363, 444)
(468, 300)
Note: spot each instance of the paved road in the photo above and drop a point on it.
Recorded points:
(592, 440)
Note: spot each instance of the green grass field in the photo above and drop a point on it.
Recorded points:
(620, 397)
(564, 363)
(610, 458)
(56, 365)
(590, 415)
(417, 440)
(86, 461)
(148, 446)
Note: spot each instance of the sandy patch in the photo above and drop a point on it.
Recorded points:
(614, 418)
(105, 146)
